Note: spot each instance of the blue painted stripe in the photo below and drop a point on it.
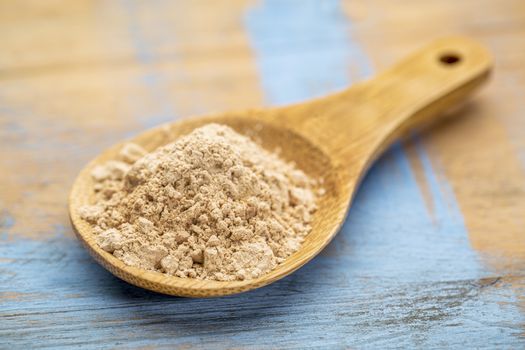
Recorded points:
(158, 110)
(446, 210)
(6, 222)
(303, 49)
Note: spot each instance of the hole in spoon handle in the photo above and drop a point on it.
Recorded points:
(450, 58)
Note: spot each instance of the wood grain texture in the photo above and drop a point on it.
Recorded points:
(430, 255)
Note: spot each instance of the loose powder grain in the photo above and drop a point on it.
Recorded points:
(211, 205)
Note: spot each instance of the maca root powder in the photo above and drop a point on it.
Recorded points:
(211, 205)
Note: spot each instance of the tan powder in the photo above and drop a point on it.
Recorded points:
(212, 205)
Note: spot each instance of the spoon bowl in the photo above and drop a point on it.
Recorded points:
(334, 138)
(293, 147)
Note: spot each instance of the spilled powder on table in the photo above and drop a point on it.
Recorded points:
(211, 205)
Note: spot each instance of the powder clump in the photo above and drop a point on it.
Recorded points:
(211, 205)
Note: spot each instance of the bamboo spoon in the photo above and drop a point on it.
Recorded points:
(335, 138)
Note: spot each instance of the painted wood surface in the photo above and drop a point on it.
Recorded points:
(432, 254)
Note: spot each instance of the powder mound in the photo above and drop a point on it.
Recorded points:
(211, 205)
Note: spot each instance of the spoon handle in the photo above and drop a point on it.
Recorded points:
(415, 92)
(360, 122)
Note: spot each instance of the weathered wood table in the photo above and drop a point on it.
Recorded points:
(432, 254)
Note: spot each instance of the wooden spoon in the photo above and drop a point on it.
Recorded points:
(335, 138)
